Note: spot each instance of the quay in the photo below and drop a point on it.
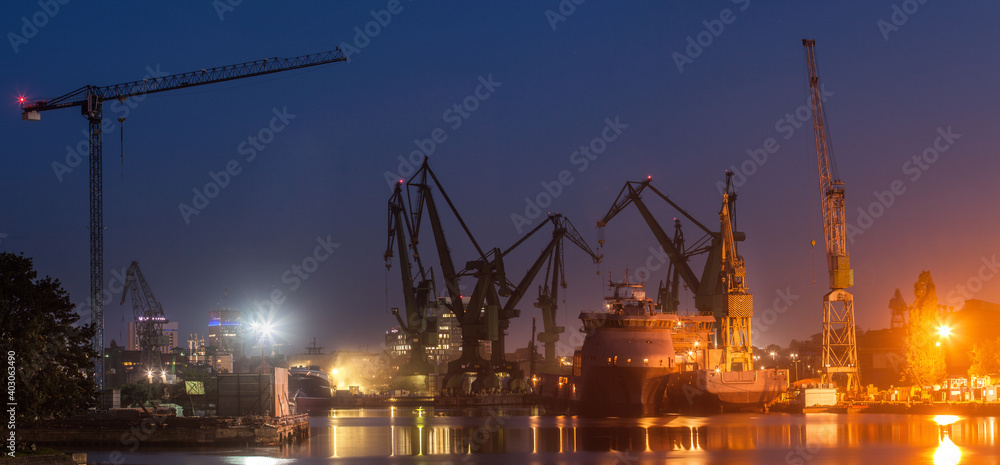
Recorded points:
(120, 430)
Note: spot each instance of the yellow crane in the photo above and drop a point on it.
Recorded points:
(840, 350)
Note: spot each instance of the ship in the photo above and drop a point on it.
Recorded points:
(309, 387)
(638, 360)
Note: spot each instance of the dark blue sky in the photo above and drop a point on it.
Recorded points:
(323, 175)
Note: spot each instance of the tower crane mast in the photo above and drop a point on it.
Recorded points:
(91, 99)
(840, 352)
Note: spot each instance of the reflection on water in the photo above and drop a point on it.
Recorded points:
(523, 437)
(409, 432)
(947, 452)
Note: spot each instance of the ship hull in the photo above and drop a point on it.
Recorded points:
(705, 391)
(616, 391)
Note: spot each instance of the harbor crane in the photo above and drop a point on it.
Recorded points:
(840, 350)
(721, 291)
(149, 319)
(91, 100)
(555, 278)
(484, 314)
(418, 297)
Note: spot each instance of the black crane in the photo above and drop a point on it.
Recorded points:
(149, 319)
(485, 315)
(419, 326)
(91, 99)
(548, 291)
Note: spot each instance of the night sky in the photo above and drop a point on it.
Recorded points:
(684, 115)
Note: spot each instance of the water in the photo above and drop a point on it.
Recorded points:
(518, 436)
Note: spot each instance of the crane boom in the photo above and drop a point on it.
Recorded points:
(840, 353)
(91, 99)
(630, 194)
(831, 189)
(84, 95)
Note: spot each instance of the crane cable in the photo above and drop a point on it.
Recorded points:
(121, 133)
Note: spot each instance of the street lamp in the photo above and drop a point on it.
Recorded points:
(772, 356)
(944, 331)
(263, 331)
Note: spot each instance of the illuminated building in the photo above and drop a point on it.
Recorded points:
(169, 329)
(449, 345)
(224, 328)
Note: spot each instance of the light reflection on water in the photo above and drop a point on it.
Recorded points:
(947, 453)
(520, 436)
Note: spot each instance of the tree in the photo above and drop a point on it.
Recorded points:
(985, 358)
(138, 394)
(51, 352)
(924, 358)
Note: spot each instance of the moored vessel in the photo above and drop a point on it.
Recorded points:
(309, 387)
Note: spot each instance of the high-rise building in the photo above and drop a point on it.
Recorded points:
(449, 345)
(169, 329)
(224, 328)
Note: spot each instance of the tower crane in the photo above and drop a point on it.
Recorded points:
(91, 99)
(840, 351)
(721, 291)
(149, 318)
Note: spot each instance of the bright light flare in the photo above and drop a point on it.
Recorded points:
(944, 331)
(945, 420)
(947, 453)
